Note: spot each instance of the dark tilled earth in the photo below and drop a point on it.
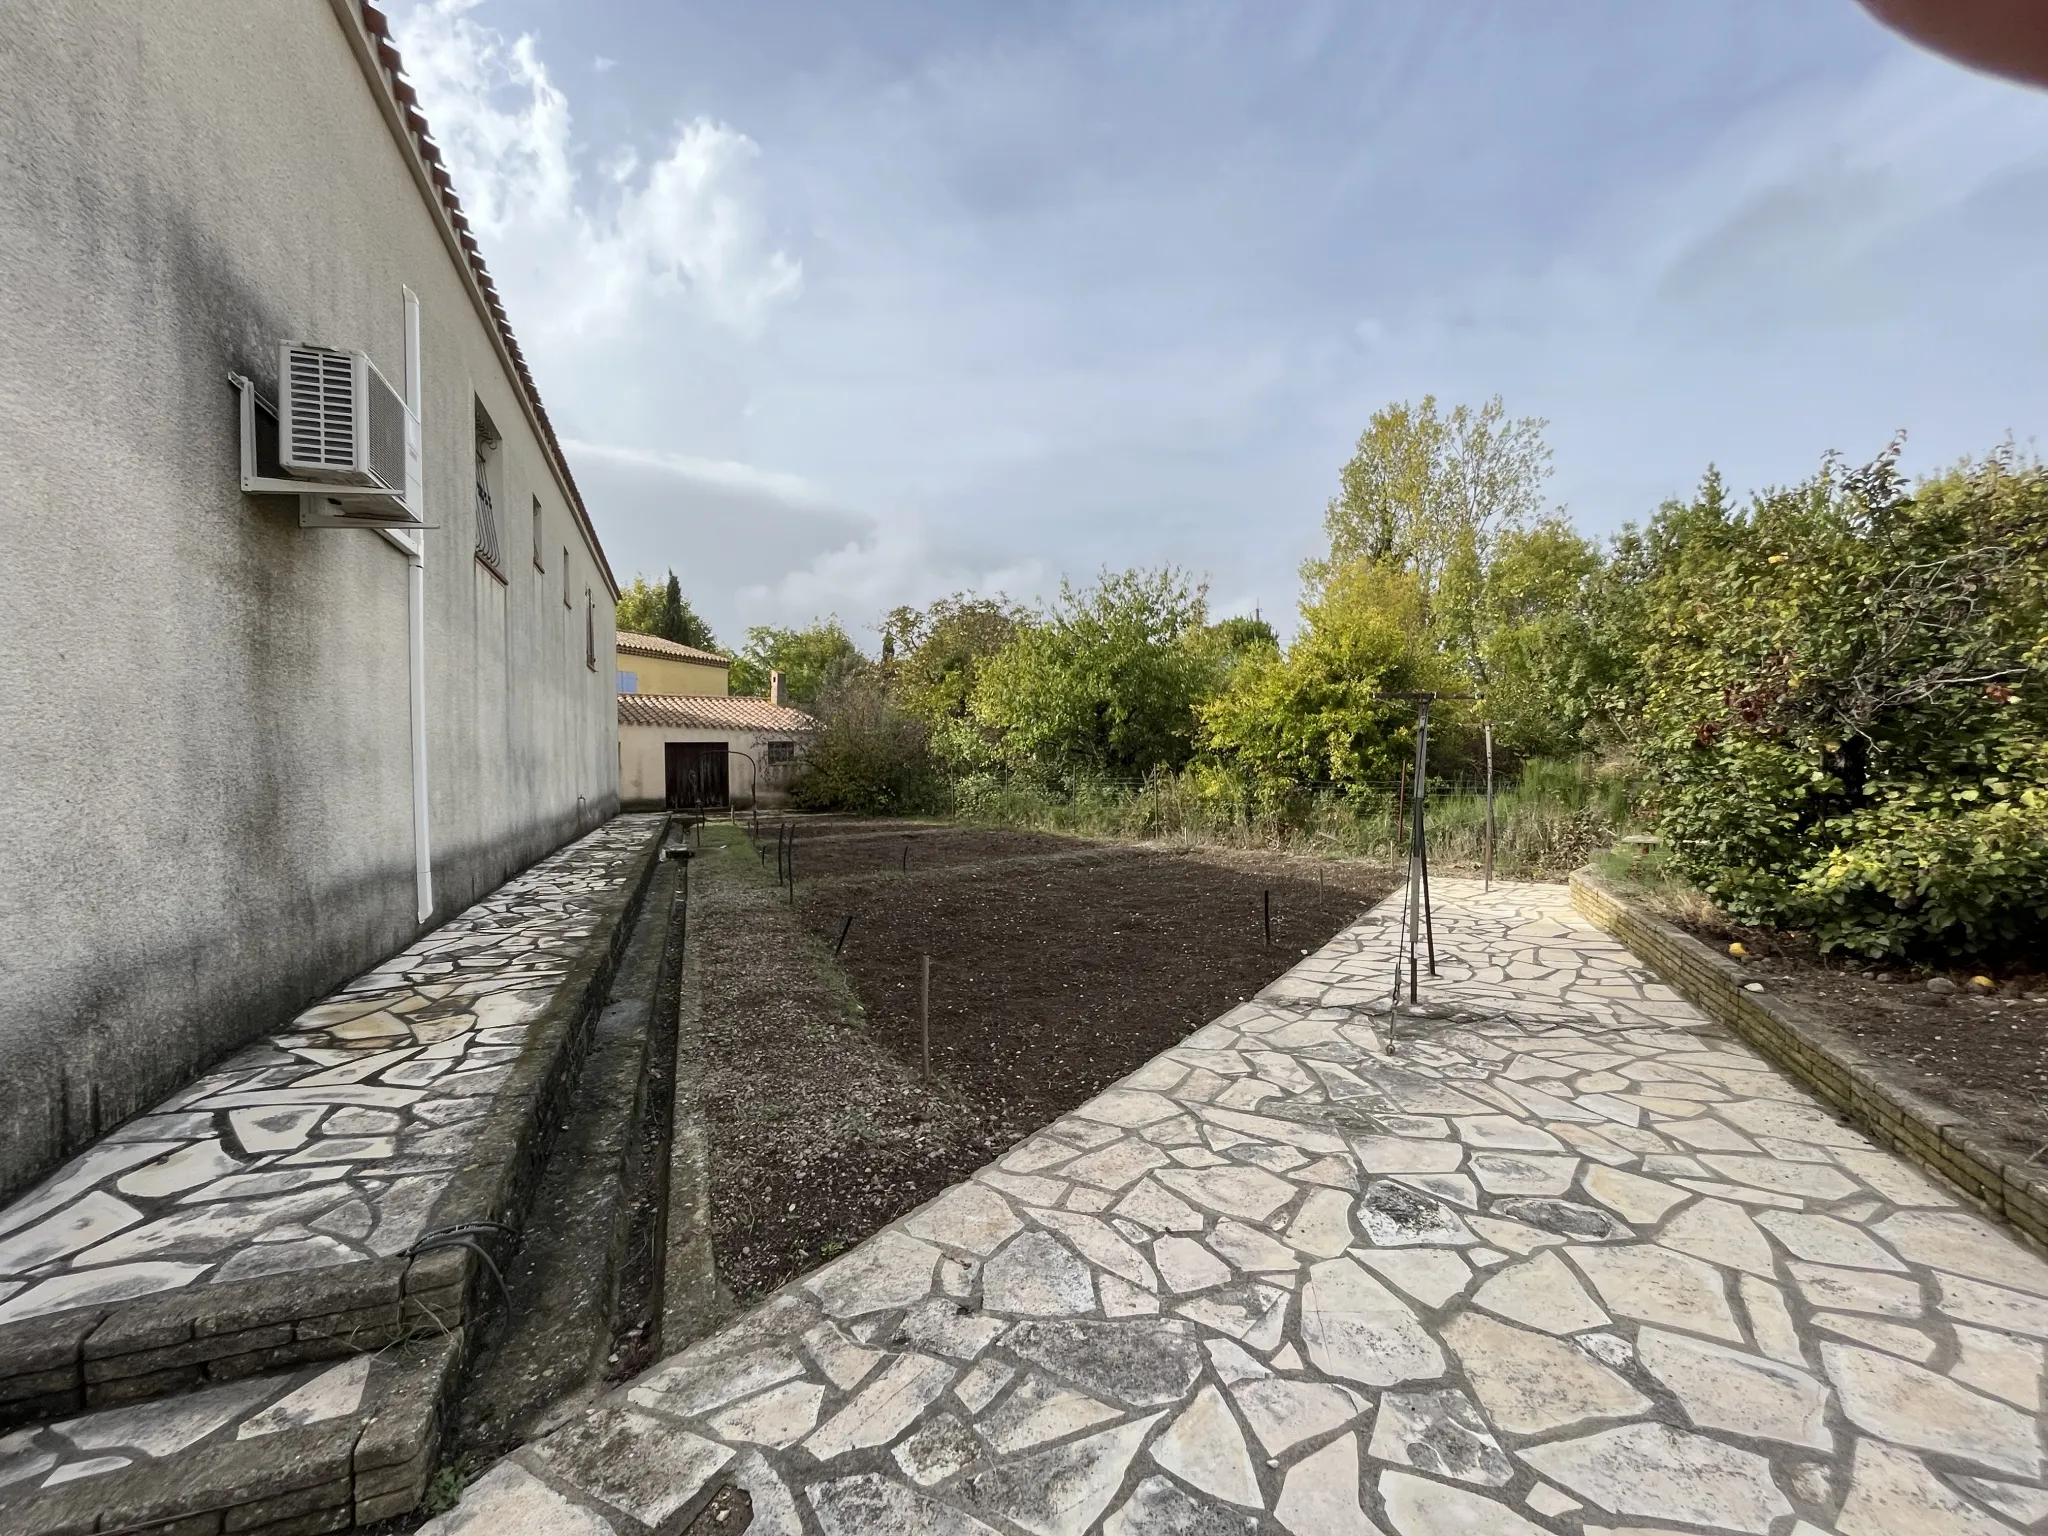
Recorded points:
(1983, 1053)
(1058, 965)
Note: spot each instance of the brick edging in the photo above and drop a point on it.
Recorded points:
(1938, 1139)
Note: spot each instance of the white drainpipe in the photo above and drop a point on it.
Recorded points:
(414, 547)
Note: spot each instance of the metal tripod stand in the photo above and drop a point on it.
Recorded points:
(1417, 925)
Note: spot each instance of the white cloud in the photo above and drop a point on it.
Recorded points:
(582, 262)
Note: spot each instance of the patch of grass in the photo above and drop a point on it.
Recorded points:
(1547, 822)
(1649, 879)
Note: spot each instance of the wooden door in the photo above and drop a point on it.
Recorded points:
(696, 775)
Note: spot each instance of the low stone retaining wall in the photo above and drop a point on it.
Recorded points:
(129, 1351)
(1939, 1139)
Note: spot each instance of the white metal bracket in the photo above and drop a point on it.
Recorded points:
(320, 505)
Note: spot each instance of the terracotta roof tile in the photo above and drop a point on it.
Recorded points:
(631, 644)
(711, 712)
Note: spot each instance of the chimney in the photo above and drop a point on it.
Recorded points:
(775, 694)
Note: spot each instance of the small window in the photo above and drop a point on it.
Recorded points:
(629, 682)
(539, 564)
(781, 752)
(589, 630)
(565, 578)
(488, 547)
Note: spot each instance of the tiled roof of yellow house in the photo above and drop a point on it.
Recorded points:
(711, 712)
(653, 645)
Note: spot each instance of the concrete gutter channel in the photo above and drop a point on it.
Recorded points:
(419, 1313)
(1939, 1140)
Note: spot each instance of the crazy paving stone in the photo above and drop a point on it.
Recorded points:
(1899, 1339)
(1395, 1216)
(1061, 1490)
(636, 1463)
(1654, 1285)
(1205, 1448)
(941, 1447)
(1655, 1471)
(2006, 1367)
(1892, 1493)
(1721, 1233)
(859, 1506)
(889, 1270)
(1440, 1433)
(182, 1170)
(1320, 1497)
(87, 1221)
(1355, 1328)
(967, 1216)
(1962, 1244)
(1992, 1306)
(1631, 1196)
(165, 1426)
(1824, 1240)
(1431, 1275)
(1417, 1507)
(780, 1416)
(1856, 1290)
(1722, 1388)
(1035, 1275)
(686, 1387)
(1282, 1413)
(1250, 1193)
(1908, 1405)
(1041, 1410)
(333, 1394)
(1143, 1362)
(1159, 1508)
(2028, 1506)
(884, 1408)
(1770, 1321)
(1529, 1383)
(510, 1498)
(1541, 1293)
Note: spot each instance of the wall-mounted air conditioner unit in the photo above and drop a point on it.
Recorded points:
(338, 420)
(344, 441)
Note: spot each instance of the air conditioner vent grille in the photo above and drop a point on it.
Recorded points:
(323, 416)
(387, 433)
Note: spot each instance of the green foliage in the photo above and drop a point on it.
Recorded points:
(871, 758)
(812, 661)
(1428, 493)
(933, 661)
(662, 611)
(1840, 692)
(1310, 716)
(1107, 683)
(1546, 825)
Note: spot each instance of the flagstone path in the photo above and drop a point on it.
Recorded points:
(326, 1143)
(1568, 1257)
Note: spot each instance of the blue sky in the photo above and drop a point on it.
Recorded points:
(848, 305)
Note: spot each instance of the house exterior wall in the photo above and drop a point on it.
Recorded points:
(643, 764)
(664, 674)
(205, 776)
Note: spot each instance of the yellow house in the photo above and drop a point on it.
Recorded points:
(649, 664)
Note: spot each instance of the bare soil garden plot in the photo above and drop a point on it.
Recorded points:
(1058, 966)
(1983, 1054)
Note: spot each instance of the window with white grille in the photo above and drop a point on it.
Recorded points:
(489, 548)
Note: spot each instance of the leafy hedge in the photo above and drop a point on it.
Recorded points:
(1840, 691)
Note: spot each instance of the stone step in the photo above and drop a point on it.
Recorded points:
(315, 1448)
(325, 1191)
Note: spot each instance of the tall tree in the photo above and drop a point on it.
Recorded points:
(662, 611)
(1429, 492)
(812, 660)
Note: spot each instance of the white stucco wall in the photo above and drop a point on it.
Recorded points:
(205, 801)
(643, 763)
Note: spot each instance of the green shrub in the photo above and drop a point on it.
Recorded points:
(870, 759)
(1840, 693)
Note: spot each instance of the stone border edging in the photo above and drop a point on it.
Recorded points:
(112, 1353)
(1936, 1138)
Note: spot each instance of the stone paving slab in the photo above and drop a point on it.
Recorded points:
(1562, 1256)
(274, 1210)
(325, 1446)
